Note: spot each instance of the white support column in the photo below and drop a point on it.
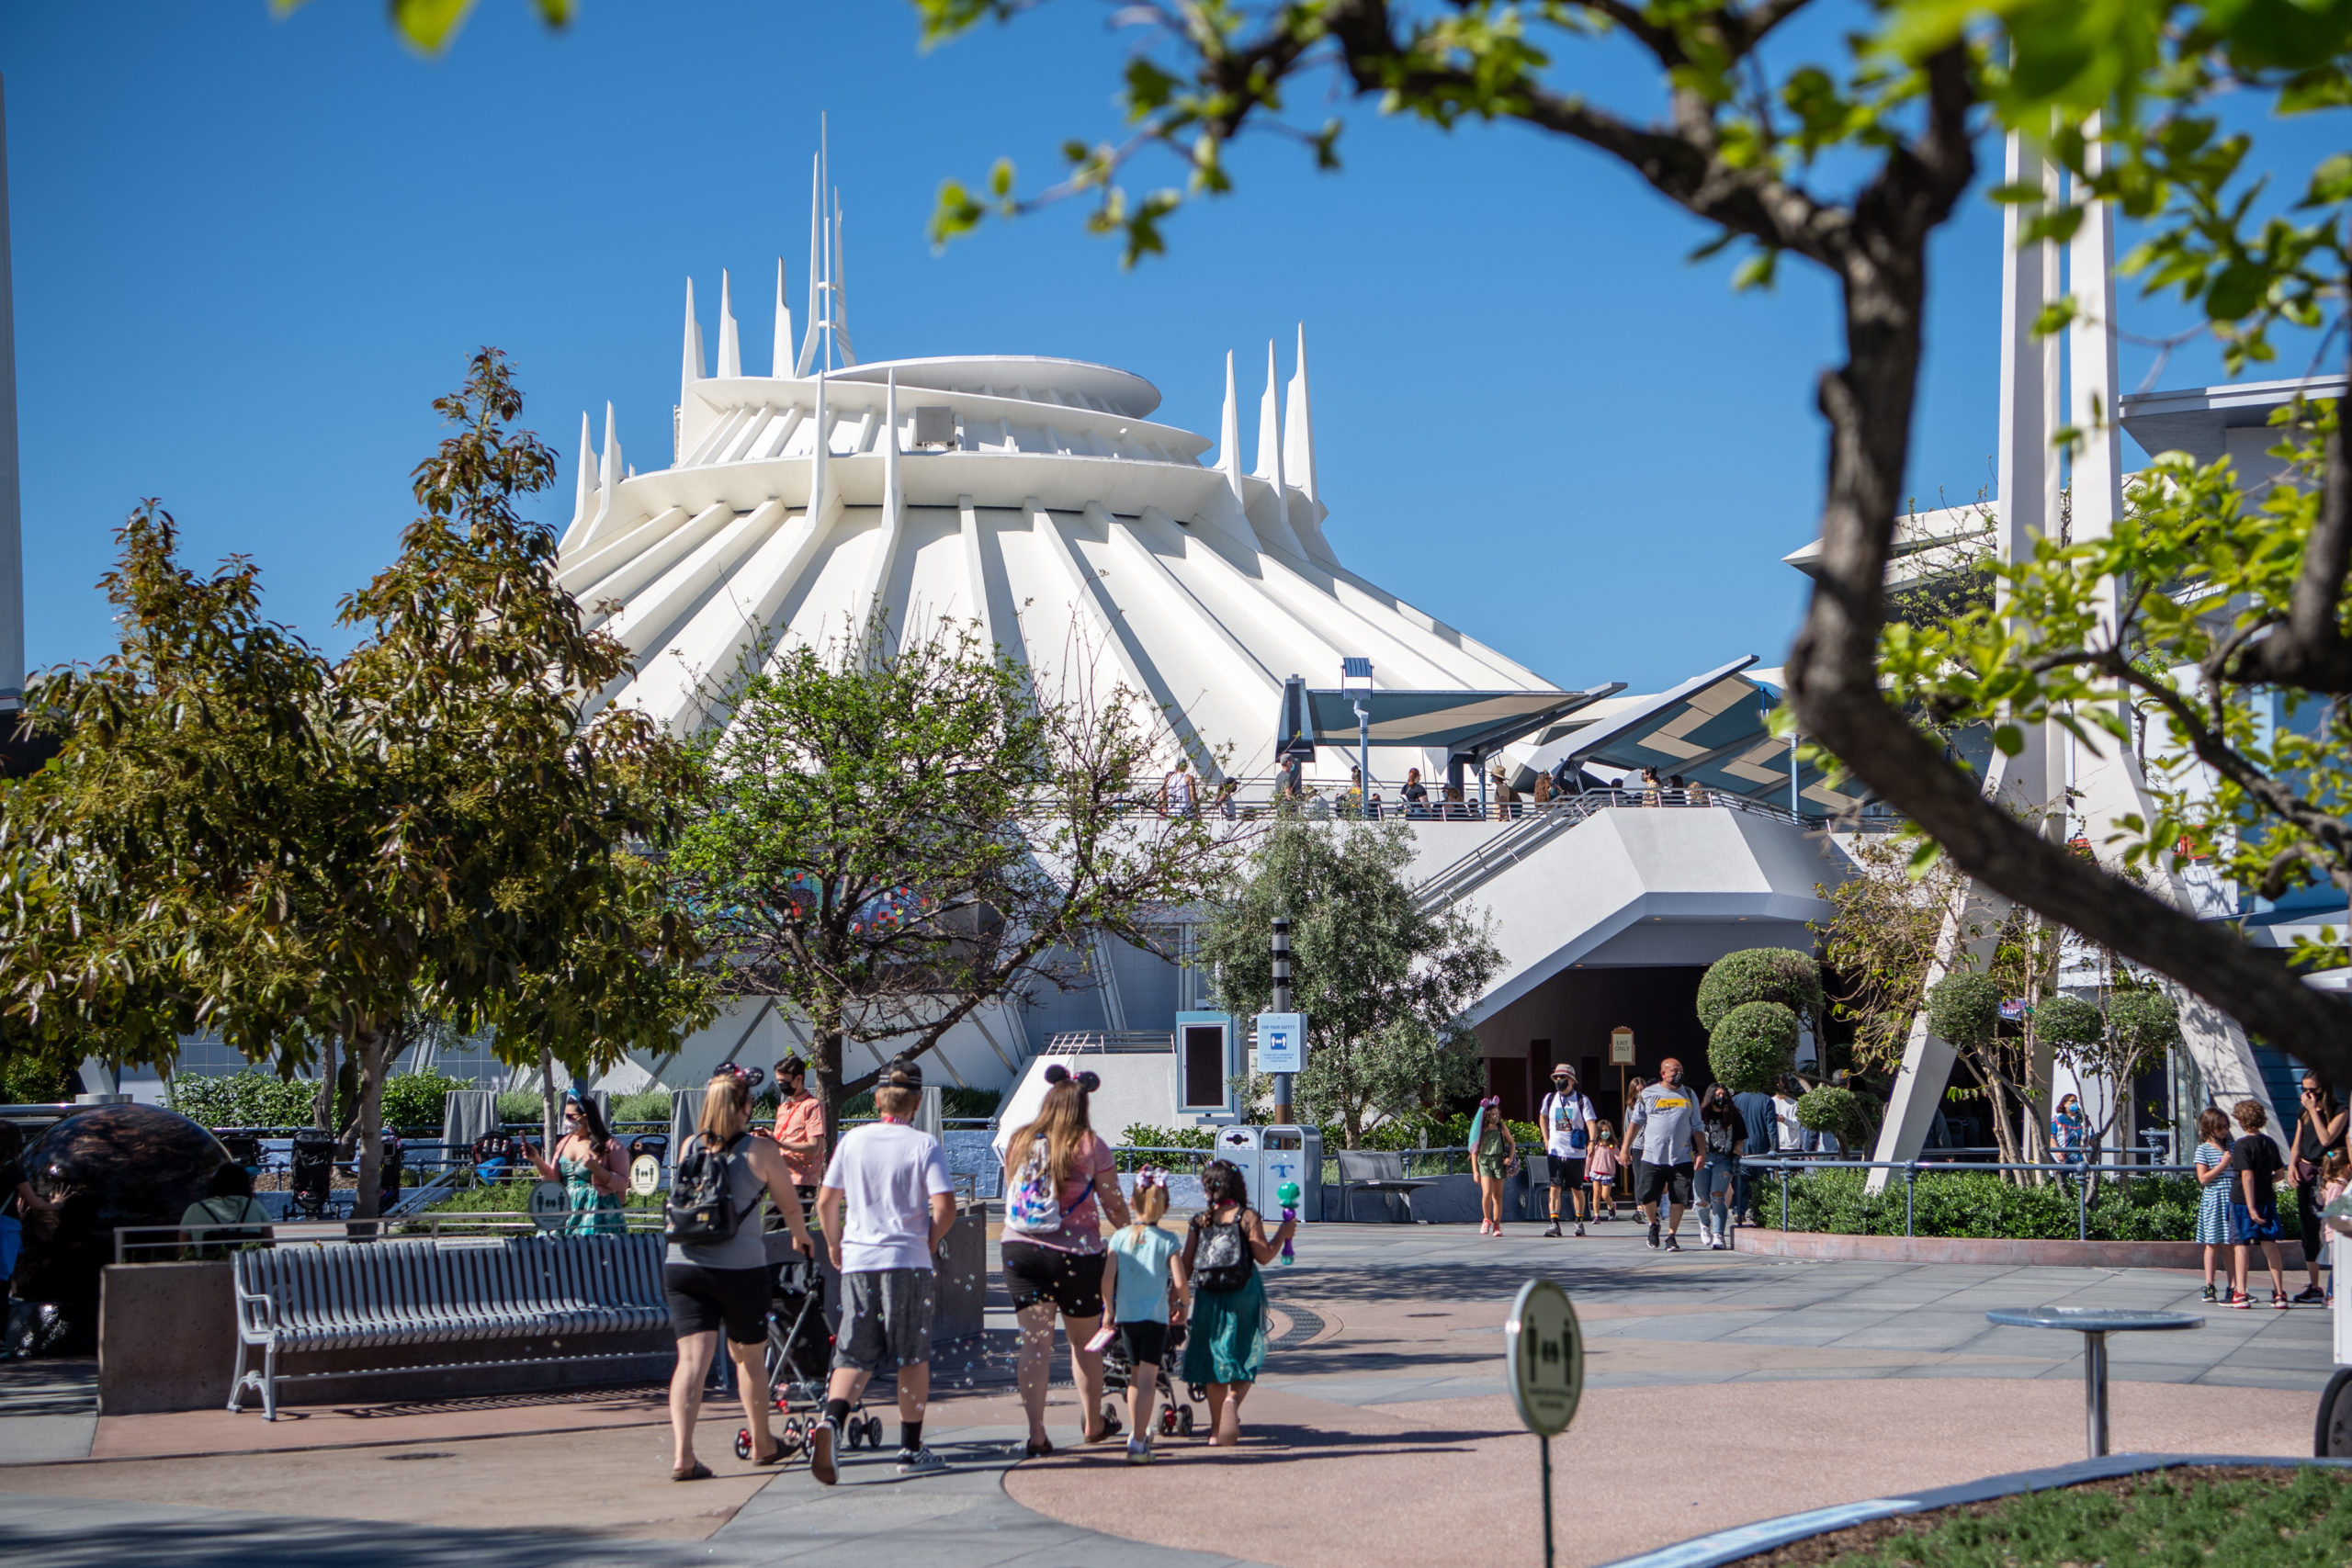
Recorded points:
(12, 548)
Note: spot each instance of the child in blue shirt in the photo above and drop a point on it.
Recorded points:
(1144, 1278)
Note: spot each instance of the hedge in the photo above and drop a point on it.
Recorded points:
(1779, 975)
(1982, 1204)
(251, 1099)
(1754, 1047)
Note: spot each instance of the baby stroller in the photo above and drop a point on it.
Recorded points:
(1175, 1417)
(800, 1354)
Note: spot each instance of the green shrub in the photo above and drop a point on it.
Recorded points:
(36, 1073)
(2069, 1021)
(1753, 1047)
(1962, 1203)
(1964, 1010)
(1832, 1110)
(1141, 1136)
(521, 1105)
(418, 1100)
(647, 1105)
(242, 1098)
(1779, 975)
(970, 1103)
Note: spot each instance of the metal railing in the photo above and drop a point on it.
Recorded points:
(165, 1244)
(1911, 1169)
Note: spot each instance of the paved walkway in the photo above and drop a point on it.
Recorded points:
(1737, 1387)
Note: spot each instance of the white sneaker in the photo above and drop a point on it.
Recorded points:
(1139, 1450)
(919, 1461)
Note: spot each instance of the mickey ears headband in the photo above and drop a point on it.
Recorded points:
(1087, 1081)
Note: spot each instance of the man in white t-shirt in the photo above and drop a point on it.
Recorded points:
(892, 1178)
(1176, 791)
(1566, 1119)
(1790, 1133)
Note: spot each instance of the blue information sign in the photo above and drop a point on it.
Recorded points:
(1282, 1041)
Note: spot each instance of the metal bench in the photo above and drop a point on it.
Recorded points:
(435, 1295)
(1374, 1170)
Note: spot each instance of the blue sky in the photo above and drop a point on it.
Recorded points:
(249, 251)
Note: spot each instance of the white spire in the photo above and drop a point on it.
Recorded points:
(608, 468)
(1270, 440)
(583, 489)
(691, 370)
(893, 498)
(816, 262)
(840, 309)
(730, 341)
(1298, 427)
(1228, 434)
(781, 365)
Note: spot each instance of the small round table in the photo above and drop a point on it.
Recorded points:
(2094, 1323)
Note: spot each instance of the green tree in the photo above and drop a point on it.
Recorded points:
(1850, 161)
(1753, 1047)
(240, 837)
(1383, 979)
(896, 831)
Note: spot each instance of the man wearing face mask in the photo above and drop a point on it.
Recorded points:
(1672, 1143)
(1567, 1122)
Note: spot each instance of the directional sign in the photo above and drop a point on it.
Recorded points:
(1544, 1357)
(1621, 1047)
(1282, 1041)
(644, 1175)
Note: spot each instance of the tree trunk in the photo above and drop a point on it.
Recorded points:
(322, 1103)
(550, 1123)
(367, 1051)
(825, 1043)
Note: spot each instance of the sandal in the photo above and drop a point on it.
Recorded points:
(775, 1458)
(700, 1471)
(1039, 1448)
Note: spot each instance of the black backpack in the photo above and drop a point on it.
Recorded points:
(697, 1212)
(1221, 1260)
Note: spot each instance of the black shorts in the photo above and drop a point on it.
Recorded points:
(1567, 1170)
(1673, 1180)
(1070, 1281)
(1144, 1342)
(704, 1299)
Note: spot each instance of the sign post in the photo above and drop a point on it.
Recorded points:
(1284, 1055)
(1544, 1361)
(1620, 1056)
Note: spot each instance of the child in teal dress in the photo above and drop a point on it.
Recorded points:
(1226, 1348)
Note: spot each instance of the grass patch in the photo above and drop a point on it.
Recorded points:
(2203, 1516)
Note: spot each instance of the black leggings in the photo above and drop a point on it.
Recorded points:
(2307, 1215)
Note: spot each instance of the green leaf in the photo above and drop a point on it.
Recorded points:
(430, 25)
(2235, 294)
(2010, 739)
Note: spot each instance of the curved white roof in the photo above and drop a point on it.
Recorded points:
(1029, 494)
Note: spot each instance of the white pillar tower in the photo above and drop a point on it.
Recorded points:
(12, 550)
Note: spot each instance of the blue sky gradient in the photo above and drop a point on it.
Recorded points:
(249, 251)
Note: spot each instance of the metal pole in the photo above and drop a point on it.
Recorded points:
(1363, 762)
(1282, 1004)
(1792, 773)
(1910, 1182)
(1547, 1502)
(2083, 1215)
(1784, 1196)
(2094, 1392)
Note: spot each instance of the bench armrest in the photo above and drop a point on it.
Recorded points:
(256, 1316)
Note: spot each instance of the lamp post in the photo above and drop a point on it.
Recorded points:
(1282, 1004)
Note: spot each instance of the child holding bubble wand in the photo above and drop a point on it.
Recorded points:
(1143, 1297)
(1226, 1348)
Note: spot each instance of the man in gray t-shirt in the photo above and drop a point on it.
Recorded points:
(1671, 1144)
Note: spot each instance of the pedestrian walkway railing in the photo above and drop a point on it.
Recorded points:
(1912, 1170)
(174, 1244)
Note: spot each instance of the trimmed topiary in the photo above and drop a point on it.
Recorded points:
(1753, 1047)
(1779, 975)
(2149, 1021)
(2070, 1020)
(1964, 1010)
(1832, 1110)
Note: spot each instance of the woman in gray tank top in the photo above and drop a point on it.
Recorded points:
(723, 1285)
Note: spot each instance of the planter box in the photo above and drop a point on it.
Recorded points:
(1993, 1250)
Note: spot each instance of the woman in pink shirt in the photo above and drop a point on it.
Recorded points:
(1053, 1261)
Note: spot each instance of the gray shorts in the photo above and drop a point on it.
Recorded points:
(885, 1319)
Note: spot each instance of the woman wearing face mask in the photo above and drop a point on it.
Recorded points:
(1727, 1134)
(591, 1166)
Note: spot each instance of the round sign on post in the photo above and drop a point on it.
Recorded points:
(549, 1205)
(1543, 1360)
(644, 1175)
(1543, 1352)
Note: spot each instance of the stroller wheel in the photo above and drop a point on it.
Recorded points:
(743, 1443)
(1112, 1424)
(1184, 1422)
(874, 1432)
(1167, 1423)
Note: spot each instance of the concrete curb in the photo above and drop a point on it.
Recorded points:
(1993, 1250)
(1729, 1546)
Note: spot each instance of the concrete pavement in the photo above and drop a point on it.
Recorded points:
(1735, 1387)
